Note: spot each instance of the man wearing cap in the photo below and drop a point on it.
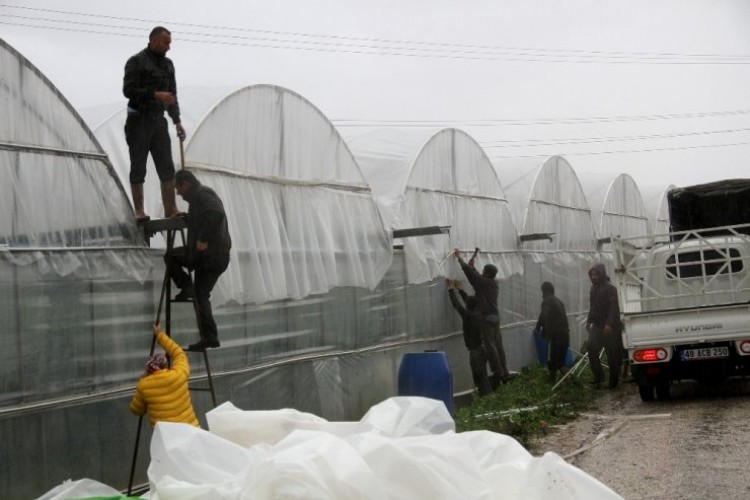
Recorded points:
(486, 291)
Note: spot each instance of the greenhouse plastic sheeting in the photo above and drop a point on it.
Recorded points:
(657, 208)
(439, 178)
(57, 189)
(616, 205)
(404, 447)
(302, 218)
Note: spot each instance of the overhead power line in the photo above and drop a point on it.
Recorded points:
(353, 122)
(594, 140)
(624, 151)
(369, 46)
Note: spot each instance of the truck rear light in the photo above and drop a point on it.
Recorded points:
(650, 355)
(745, 347)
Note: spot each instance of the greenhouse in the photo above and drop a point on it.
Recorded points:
(439, 178)
(557, 236)
(616, 207)
(426, 178)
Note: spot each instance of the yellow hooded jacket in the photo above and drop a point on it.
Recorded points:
(164, 394)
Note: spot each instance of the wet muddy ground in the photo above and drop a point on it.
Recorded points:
(696, 445)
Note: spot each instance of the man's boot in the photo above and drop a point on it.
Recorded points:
(137, 191)
(168, 198)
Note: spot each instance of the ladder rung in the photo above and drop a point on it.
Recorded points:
(207, 389)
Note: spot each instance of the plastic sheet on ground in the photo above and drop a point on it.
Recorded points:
(82, 488)
(405, 447)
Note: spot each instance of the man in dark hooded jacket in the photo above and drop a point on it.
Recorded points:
(553, 323)
(603, 325)
(207, 252)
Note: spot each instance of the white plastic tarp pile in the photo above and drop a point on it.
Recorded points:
(405, 448)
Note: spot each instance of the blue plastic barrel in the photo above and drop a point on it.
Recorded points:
(542, 351)
(426, 374)
(569, 358)
(542, 348)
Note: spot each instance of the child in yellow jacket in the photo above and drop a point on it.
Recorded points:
(163, 392)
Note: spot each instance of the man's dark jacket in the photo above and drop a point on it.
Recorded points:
(604, 308)
(146, 73)
(485, 290)
(553, 321)
(206, 222)
(472, 335)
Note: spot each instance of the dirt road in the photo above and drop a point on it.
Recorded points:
(695, 446)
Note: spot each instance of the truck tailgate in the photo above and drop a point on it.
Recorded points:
(695, 325)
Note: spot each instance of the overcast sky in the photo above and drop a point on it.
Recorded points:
(656, 89)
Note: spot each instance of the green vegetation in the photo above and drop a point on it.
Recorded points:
(527, 407)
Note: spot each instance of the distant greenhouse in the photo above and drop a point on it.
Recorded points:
(617, 207)
(443, 177)
(557, 236)
(439, 178)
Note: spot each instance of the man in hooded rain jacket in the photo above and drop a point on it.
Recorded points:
(603, 325)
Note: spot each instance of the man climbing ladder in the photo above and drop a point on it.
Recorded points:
(206, 252)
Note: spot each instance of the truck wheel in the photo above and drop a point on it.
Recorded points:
(646, 392)
(662, 391)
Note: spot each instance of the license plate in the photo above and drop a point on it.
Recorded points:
(704, 353)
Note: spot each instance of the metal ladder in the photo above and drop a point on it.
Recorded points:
(171, 227)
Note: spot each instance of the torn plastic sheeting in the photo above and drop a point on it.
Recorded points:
(403, 448)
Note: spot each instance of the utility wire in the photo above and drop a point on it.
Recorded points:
(443, 51)
(594, 140)
(624, 151)
(353, 122)
(564, 52)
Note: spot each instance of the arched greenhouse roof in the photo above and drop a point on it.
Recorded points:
(547, 198)
(302, 217)
(57, 187)
(439, 178)
(616, 205)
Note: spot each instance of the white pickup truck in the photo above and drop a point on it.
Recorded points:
(685, 306)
